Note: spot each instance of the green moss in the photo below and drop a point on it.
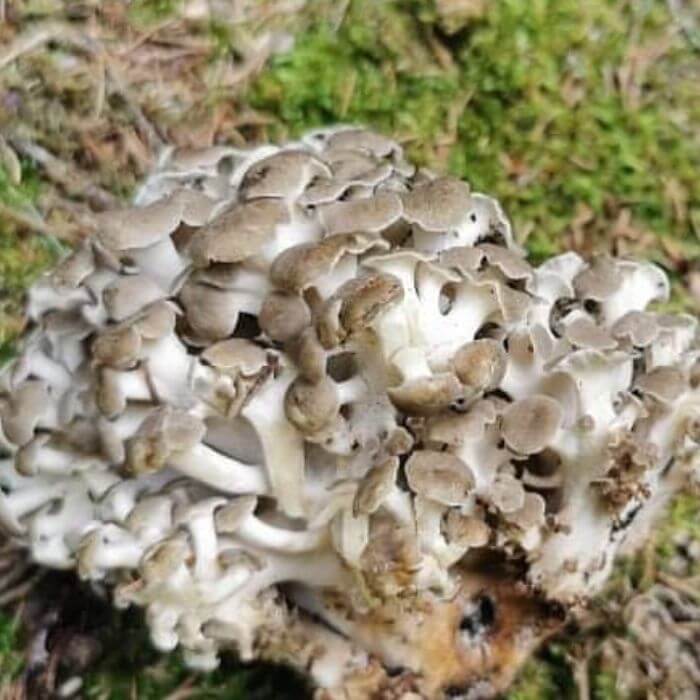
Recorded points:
(10, 658)
(147, 12)
(605, 687)
(22, 257)
(683, 519)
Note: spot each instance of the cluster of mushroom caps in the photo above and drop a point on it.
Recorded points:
(311, 403)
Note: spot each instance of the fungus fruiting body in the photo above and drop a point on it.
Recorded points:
(313, 404)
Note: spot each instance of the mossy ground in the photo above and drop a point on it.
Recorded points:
(581, 117)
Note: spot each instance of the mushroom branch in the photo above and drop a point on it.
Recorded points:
(313, 404)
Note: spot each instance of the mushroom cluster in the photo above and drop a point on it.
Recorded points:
(313, 404)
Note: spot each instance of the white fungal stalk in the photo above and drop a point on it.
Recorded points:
(312, 404)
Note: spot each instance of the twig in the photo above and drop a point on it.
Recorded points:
(20, 591)
(34, 223)
(40, 35)
(64, 174)
(153, 138)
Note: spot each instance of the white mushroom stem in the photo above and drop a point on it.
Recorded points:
(46, 459)
(161, 262)
(282, 444)
(254, 531)
(21, 502)
(108, 548)
(199, 520)
(351, 390)
(223, 473)
(320, 569)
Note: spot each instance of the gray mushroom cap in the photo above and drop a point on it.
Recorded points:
(585, 333)
(236, 355)
(530, 424)
(438, 205)
(363, 140)
(371, 215)
(439, 476)
(138, 227)
(211, 313)
(128, 294)
(640, 327)
(463, 259)
(511, 264)
(238, 233)
(598, 280)
(282, 174)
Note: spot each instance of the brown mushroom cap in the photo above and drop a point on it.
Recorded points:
(283, 316)
(308, 355)
(164, 432)
(355, 305)
(238, 233)
(481, 364)
(20, 414)
(439, 476)
(427, 395)
(297, 267)
(311, 406)
(466, 530)
(455, 429)
(438, 205)
(530, 424)
(118, 348)
(375, 486)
